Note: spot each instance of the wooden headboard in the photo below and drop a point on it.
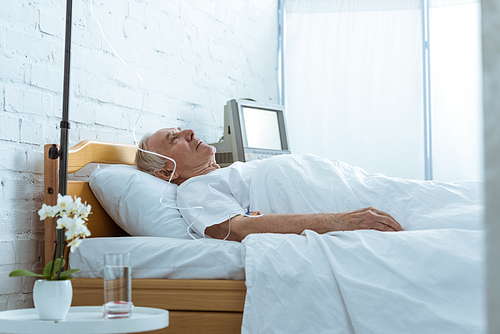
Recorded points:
(82, 154)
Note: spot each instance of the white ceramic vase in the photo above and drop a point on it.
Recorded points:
(52, 299)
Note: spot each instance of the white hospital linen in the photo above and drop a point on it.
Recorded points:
(215, 197)
(162, 257)
(365, 282)
(308, 183)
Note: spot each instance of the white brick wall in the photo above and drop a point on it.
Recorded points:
(193, 55)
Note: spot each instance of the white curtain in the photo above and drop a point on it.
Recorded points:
(354, 85)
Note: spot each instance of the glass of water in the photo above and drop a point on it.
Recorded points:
(117, 286)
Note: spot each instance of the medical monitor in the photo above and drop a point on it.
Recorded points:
(252, 131)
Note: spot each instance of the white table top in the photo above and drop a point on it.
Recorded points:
(83, 319)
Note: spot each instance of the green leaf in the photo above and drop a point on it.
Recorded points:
(46, 270)
(58, 264)
(23, 272)
(69, 272)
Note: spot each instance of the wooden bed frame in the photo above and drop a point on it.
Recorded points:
(195, 306)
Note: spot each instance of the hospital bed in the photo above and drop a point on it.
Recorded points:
(427, 279)
(194, 305)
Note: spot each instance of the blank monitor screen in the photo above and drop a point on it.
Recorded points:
(262, 128)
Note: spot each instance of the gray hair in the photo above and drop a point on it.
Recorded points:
(145, 161)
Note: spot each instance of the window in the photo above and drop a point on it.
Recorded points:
(365, 85)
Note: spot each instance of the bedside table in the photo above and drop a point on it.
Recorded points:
(83, 319)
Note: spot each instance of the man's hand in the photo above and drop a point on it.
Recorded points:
(365, 219)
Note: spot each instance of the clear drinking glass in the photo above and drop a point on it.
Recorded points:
(117, 286)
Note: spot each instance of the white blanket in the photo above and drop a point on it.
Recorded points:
(365, 282)
(428, 279)
(308, 183)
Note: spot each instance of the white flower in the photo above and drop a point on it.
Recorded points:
(64, 222)
(46, 211)
(64, 204)
(84, 211)
(73, 229)
(77, 205)
(84, 231)
(72, 217)
(74, 244)
(71, 233)
(76, 228)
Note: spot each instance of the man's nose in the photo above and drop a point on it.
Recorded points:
(188, 134)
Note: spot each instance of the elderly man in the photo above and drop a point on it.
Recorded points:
(224, 193)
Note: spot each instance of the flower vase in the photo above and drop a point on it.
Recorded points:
(52, 299)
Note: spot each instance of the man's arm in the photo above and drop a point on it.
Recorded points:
(363, 219)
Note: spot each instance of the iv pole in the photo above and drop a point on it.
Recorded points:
(62, 153)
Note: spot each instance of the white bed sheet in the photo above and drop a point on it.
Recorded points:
(160, 257)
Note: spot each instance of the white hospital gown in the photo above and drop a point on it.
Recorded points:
(213, 198)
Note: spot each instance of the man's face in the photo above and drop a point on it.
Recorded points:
(191, 154)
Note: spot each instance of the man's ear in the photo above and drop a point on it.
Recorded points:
(165, 174)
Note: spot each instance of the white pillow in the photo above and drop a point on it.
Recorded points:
(132, 199)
